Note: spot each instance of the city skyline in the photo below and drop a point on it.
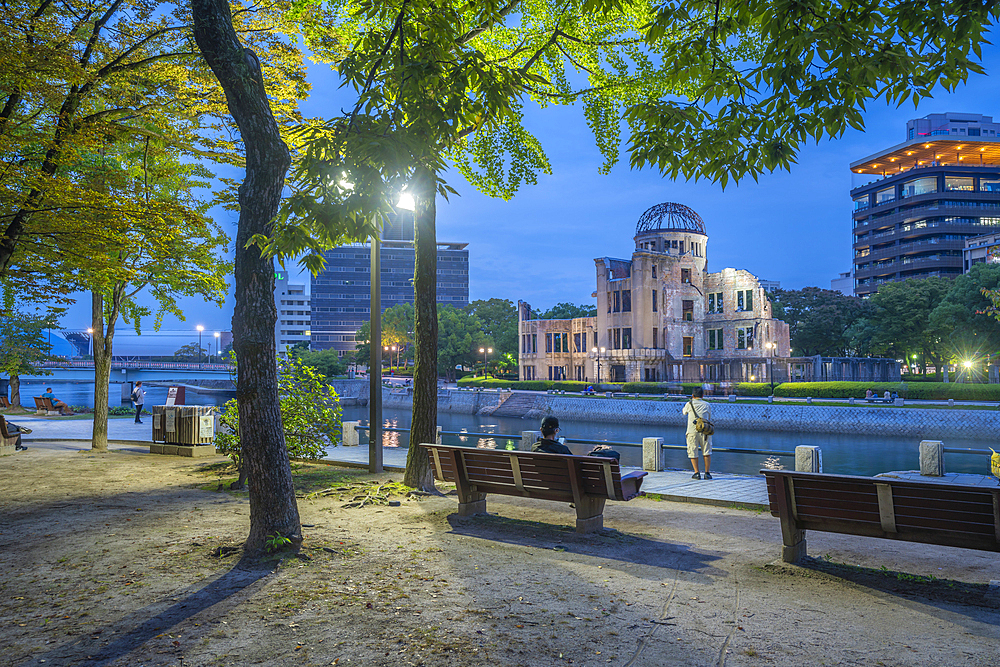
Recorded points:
(791, 227)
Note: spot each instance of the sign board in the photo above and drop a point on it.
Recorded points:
(157, 419)
(175, 396)
(207, 426)
(171, 426)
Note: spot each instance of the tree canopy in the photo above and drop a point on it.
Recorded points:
(818, 319)
(567, 311)
(499, 322)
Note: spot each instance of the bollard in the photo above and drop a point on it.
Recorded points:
(732, 398)
(899, 402)
(809, 400)
(528, 438)
(437, 438)
(652, 454)
(808, 458)
(770, 399)
(349, 437)
(850, 401)
(932, 458)
(951, 402)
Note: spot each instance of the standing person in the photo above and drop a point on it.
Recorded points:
(548, 443)
(698, 407)
(138, 397)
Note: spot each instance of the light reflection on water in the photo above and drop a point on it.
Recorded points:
(843, 454)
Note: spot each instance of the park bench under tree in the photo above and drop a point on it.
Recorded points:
(586, 481)
(953, 515)
(43, 406)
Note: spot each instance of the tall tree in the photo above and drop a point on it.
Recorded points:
(710, 89)
(460, 335)
(962, 318)
(899, 323)
(79, 75)
(273, 509)
(819, 320)
(499, 318)
(22, 344)
(567, 311)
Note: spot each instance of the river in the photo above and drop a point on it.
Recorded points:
(844, 454)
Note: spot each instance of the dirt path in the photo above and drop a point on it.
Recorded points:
(108, 560)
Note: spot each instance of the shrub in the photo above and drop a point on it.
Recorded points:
(912, 390)
(310, 416)
(651, 388)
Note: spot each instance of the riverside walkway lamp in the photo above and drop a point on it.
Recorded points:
(770, 363)
(598, 355)
(485, 351)
(217, 337)
(200, 329)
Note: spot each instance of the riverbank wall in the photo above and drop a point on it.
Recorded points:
(924, 423)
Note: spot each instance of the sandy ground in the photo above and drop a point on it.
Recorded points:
(111, 560)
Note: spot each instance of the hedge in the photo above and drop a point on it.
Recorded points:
(536, 385)
(913, 390)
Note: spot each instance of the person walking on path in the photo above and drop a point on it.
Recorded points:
(548, 443)
(138, 397)
(695, 408)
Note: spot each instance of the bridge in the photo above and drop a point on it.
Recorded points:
(129, 370)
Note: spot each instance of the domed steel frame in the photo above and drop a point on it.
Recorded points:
(670, 217)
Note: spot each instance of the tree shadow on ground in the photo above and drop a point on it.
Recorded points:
(949, 596)
(157, 618)
(619, 550)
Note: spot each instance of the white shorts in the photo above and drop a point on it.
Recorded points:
(696, 440)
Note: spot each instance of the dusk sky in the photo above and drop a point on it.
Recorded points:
(540, 246)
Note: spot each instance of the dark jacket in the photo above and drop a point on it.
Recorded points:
(550, 447)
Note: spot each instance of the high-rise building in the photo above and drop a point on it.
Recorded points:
(844, 283)
(341, 292)
(932, 192)
(292, 304)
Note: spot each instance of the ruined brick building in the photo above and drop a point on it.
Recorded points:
(661, 316)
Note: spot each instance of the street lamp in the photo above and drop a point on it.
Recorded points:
(90, 342)
(968, 367)
(485, 351)
(200, 329)
(598, 355)
(770, 364)
(217, 337)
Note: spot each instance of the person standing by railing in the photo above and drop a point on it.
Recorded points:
(138, 397)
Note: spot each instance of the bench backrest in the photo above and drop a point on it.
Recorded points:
(533, 474)
(43, 403)
(948, 514)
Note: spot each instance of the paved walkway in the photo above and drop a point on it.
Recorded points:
(724, 489)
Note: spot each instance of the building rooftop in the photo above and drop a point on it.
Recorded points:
(924, 152)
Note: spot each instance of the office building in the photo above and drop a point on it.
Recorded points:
(844, 283)
(931, 193)
(661, 316)
(983, 249)
(341, 293)
(292, 304)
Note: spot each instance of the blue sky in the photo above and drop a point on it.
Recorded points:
(540, 246)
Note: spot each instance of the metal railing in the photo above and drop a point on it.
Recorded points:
(612, 443)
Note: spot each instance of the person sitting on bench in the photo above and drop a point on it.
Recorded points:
(548, 443)
(14, 429)
(56, 403)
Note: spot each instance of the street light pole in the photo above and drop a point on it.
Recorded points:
(770, 364)
(217, 355)
(200, 329)
(90, 342)
(485, 351)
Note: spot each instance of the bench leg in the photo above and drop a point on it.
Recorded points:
(472, 503)
(590, 514)
(793, 541)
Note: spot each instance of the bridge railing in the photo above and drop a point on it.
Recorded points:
(138, 365)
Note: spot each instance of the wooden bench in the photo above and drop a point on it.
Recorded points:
(7, 440)
(585, 481)
(4, 403)
(953, 515)
(880, 400)
(43, 406)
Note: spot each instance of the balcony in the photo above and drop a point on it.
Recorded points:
(960, 200)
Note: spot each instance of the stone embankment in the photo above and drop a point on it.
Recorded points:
(848, 420)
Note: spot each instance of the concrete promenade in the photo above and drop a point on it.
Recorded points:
(725, 489)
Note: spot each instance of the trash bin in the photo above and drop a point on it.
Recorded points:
(184, 424)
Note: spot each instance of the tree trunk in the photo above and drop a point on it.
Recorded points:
(423, 426)
(265, 458)
(15, 390)
(102, 371)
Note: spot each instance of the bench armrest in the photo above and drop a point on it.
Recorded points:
(631, 483)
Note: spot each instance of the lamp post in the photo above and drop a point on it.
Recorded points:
(485, 351)
(217, 337)
(770, 364)
(968, 368)
(598, 355)
(90, 342)
(200, 329)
